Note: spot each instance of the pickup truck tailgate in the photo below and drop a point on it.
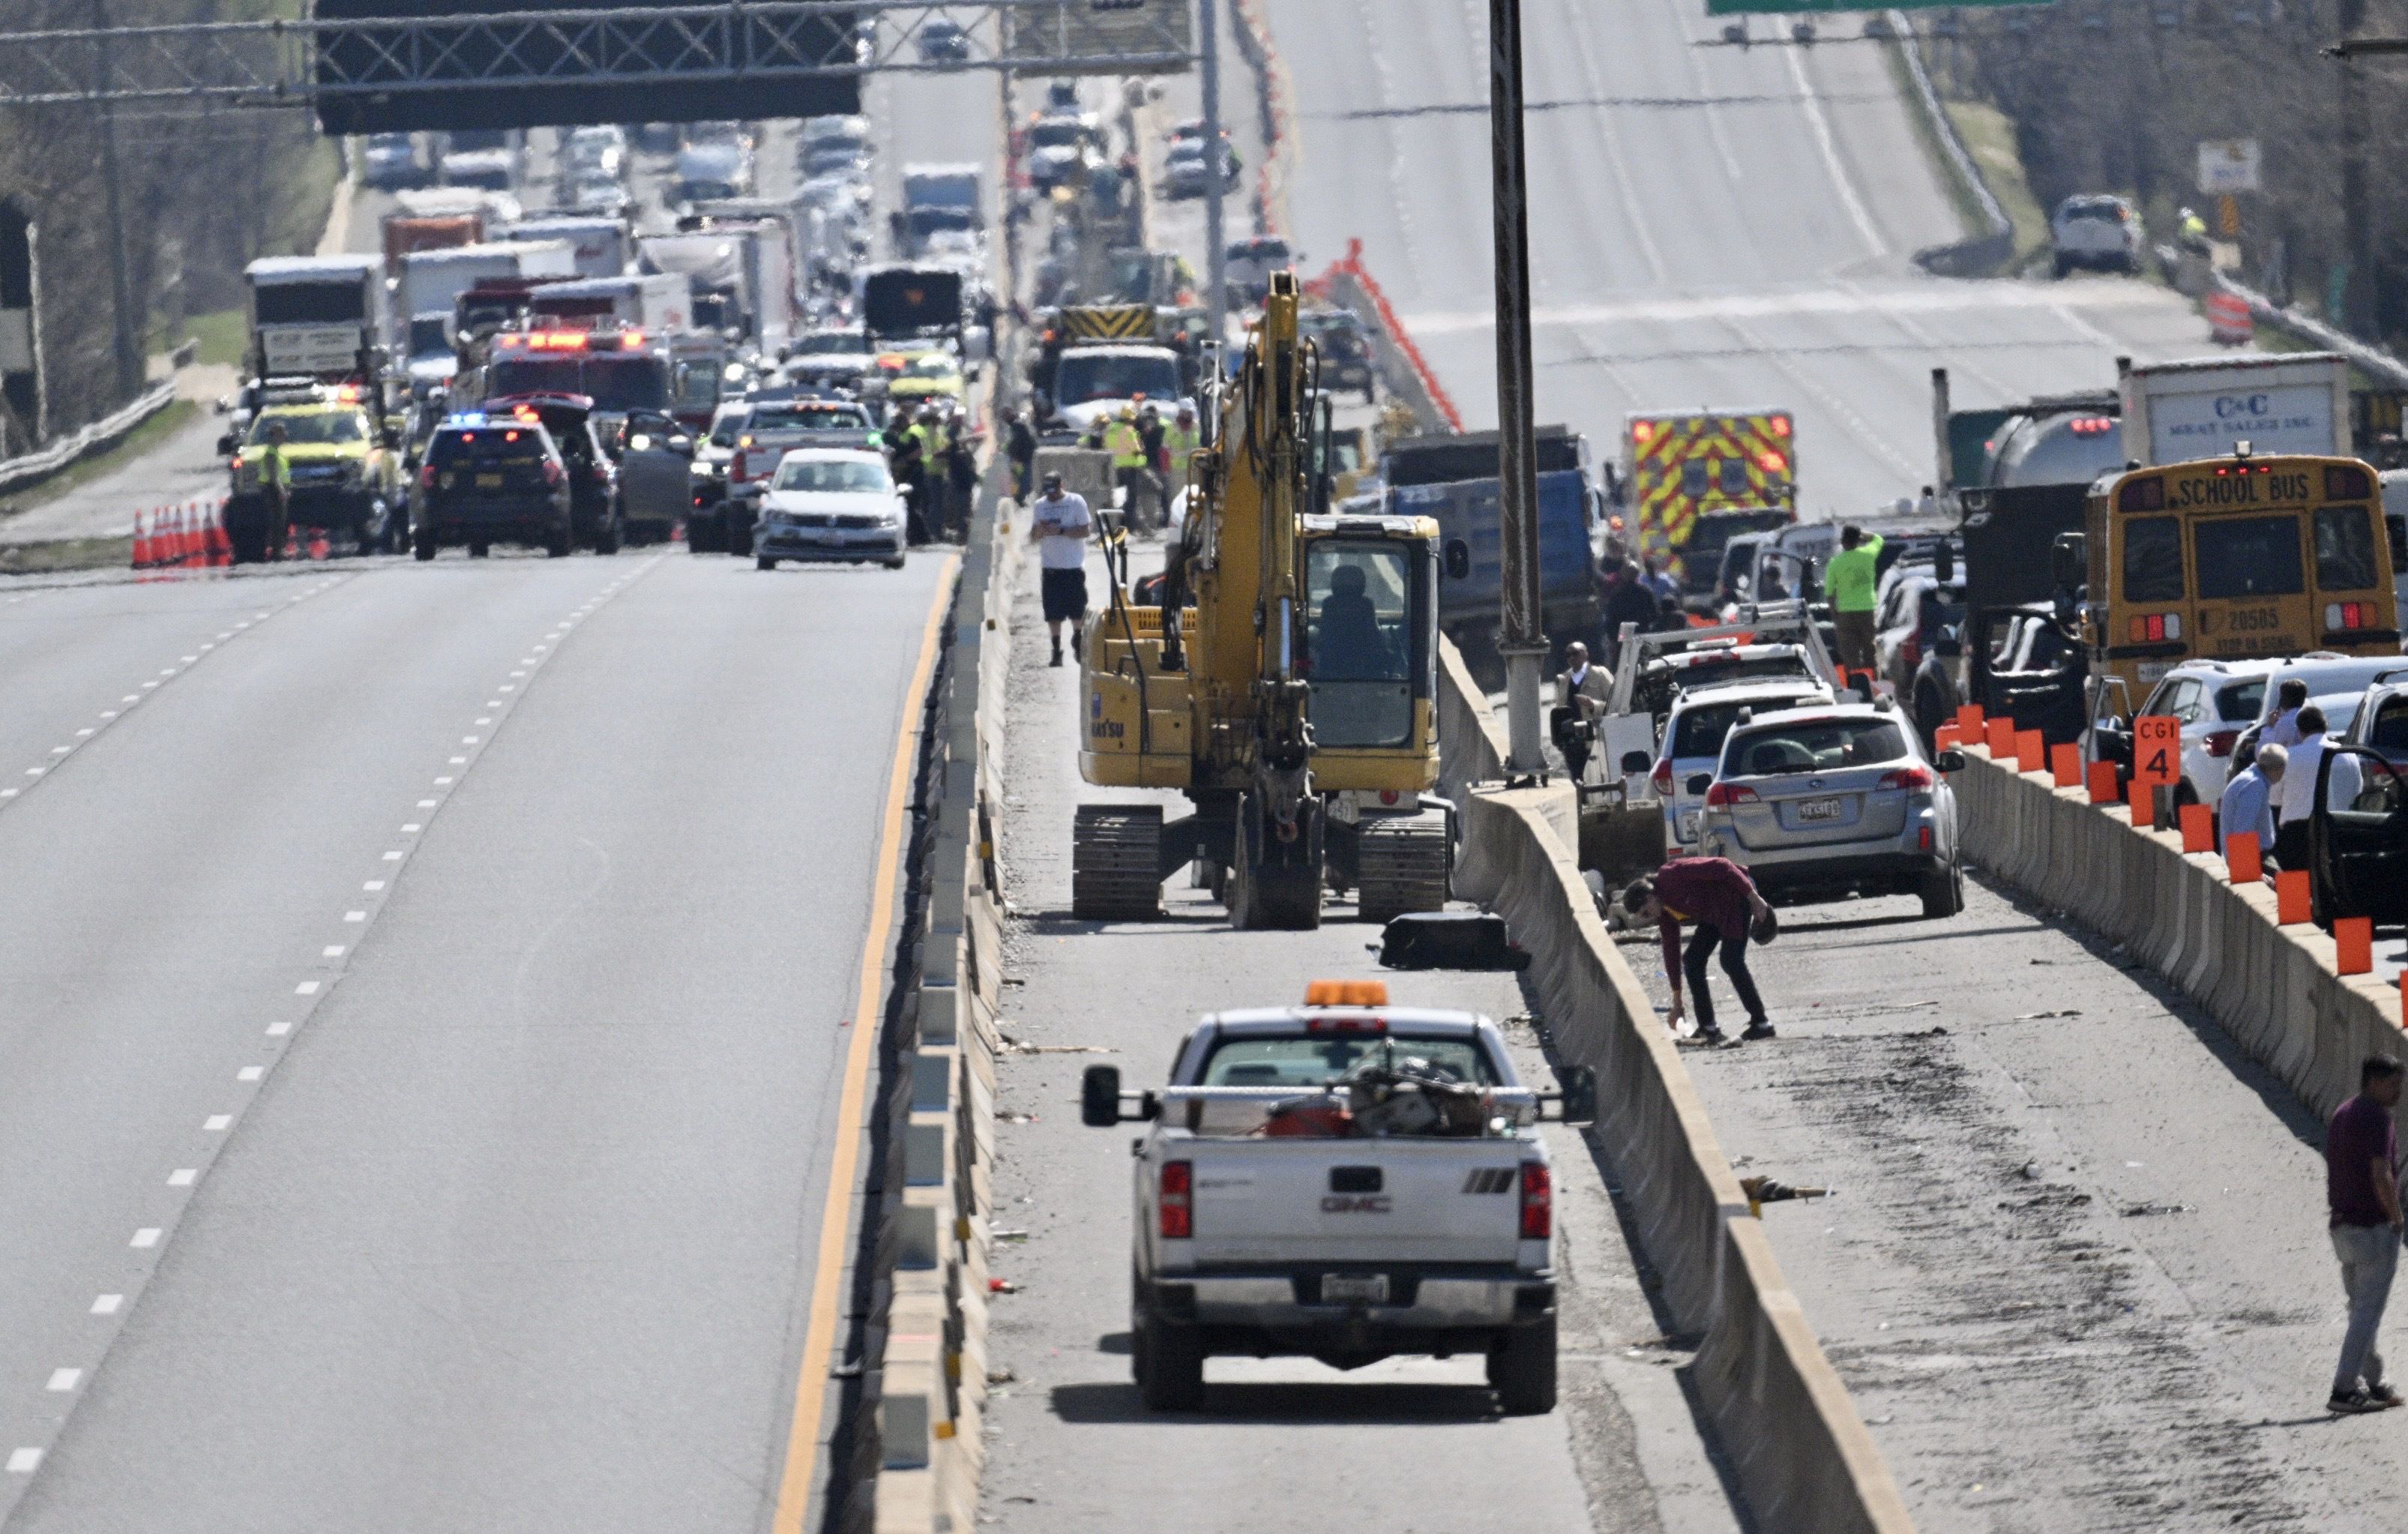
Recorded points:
(1353, 1201)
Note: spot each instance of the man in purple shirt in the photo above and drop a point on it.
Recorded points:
(2362, 1189)
(1718, 896)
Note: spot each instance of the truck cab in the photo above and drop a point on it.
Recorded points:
(1346, 1181)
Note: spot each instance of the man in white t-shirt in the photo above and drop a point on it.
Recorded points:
(1060, 525)
(2299, 789)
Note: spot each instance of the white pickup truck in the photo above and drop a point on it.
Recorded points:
(1343, 1181)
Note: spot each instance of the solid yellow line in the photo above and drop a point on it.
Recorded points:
(836, 1221)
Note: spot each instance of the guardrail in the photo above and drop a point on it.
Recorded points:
(1980, 254)
(101, 434)
(1802, 1454)
(917, 1443)
(2276, 989)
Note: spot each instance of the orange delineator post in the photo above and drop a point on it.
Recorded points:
(2403, 998)
(2002, 740)
(1946, 736)
(2354, 945)
(2198, 829)
(2244, 861)
(2144, 806)
(2065, 764)
(2031, 751)
(1968, 720)
(2292, 898)
(2102, 782)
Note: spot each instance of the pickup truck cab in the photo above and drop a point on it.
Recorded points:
(1344, 1181)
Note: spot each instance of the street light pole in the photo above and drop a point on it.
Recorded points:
(128, 351)
(1216, 253)
(1522, 642)
(2358, 221)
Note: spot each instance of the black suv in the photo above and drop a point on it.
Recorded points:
(488, 480)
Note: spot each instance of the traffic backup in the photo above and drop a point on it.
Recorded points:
(1344, 1181)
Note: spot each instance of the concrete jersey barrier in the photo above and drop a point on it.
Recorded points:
(1802, 1456)
(2277, 990)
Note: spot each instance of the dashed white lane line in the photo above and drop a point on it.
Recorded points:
(111, 716)
(148, 1238)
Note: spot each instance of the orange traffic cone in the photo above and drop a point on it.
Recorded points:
(191, 538)
(292, 546)
(221, 546)
(141, 543)
(318, 549)
(197, 532)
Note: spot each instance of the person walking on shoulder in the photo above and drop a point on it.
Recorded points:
(2362, 1193)
(1717, 896)
(1851, 579)
(1060, 525)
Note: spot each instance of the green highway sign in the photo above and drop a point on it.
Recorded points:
(1793, 8)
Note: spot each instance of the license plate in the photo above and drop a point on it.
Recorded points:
(1819, 810)
(489, 481)
(1689, 825)
(1353, 1288)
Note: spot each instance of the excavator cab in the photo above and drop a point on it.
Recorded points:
(1286, 680)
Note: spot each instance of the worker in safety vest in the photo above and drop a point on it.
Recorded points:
(1851, 580)
(274, 489)
(1129, 471)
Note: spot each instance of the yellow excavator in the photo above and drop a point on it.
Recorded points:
(1286, 680)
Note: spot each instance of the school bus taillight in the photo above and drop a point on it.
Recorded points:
(2341, 615)
(2154, 628)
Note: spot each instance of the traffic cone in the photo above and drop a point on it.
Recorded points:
(291, 545)
(169, 545)
(193, 547)
(141, 543)
(318, 549)
(221, 546)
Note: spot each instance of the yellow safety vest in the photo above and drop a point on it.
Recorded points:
(1180, 440)
(1127, 448)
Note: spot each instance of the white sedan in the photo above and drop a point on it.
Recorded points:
(831, 504)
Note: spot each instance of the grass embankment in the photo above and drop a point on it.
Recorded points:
(141, 440)
(69, 553)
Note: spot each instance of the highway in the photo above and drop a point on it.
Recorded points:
(424, 1041)
(1708, 226)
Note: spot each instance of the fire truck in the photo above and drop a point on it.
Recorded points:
(1697, 477)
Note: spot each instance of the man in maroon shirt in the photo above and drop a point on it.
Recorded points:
(1715, 893)
(2362, 1189)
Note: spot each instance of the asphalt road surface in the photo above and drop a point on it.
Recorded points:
(421, 1033)
(1708, 226)
(1407, 1444)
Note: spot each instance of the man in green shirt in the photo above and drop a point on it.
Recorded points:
(276, 489)
(1849, 579)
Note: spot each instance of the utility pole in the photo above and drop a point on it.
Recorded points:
(1216, 252)
(2358, 219)
(1522, 643)
(129, 353)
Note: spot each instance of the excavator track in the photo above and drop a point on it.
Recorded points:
(1402, 864)
(1115, 868)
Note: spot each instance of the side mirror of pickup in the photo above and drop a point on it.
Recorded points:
(1579, 1094)
(1099, 1096)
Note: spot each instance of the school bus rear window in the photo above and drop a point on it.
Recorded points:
(2153, 565)
(2248, 556)
(2345, 549)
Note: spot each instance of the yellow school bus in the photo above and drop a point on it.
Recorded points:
(2231, 559)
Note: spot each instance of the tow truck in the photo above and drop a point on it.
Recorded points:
(1346, 1181)
(344, 472)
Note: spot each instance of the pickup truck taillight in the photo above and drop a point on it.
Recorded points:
(1538, 1201)
(1176, 1200)
(2220, 743)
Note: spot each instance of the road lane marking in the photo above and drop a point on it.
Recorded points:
(107, 1304)
(146, 1238)
(217, 1124)
(373, 885)
(65, 1379)
(183, 1176)
(355, 916)
(393, 857)
(21, 1461)
(278, 1030)
(250, 1073)
(836, 1218)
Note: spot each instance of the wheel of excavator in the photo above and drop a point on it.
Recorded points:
(1402, 864)
(1115, 872)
